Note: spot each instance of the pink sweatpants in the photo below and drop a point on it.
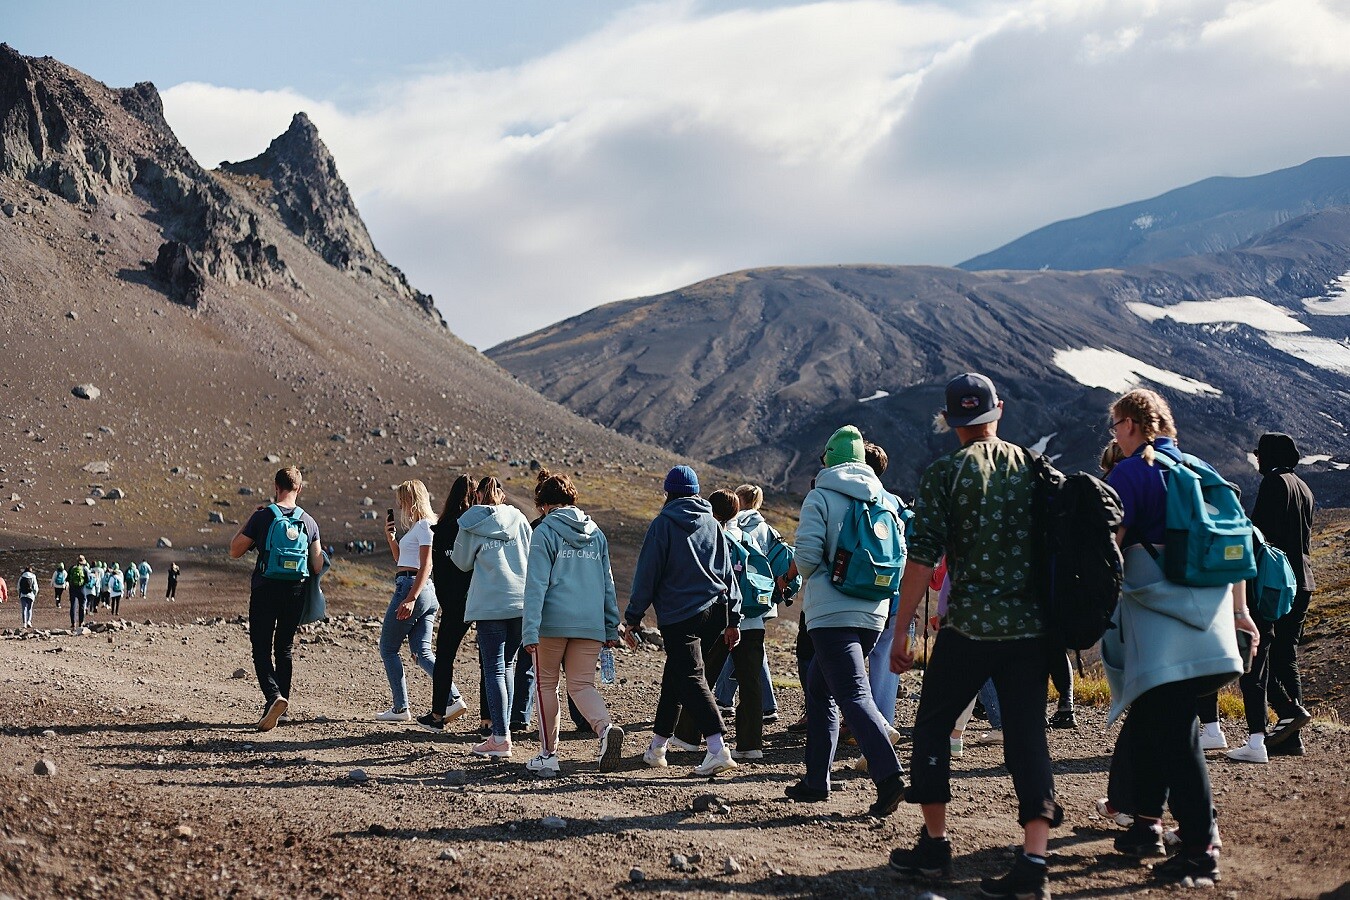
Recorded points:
(578, 657)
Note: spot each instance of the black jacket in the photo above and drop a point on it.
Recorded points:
(1284, 505)
(451, 582)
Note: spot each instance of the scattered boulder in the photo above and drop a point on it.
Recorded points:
(636, 875)
(164, 544)
(556, 823)
(711, 803)
(271, 458)
(378, 432)
(73, 316)
(45, 767)
(246, 492)
(680, 863)
(239, 673)
(98, 467)
(410, 460)
(115, 494)
(215, 518)
(89, 501)
(338, 438)
(358, 776)
(730, 866)
(183, 832)
(449, 854)
(86, 391)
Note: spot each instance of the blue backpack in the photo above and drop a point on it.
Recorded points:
(1208, 537)
(284, 555)
(755, 576)
(1271, 595)
(780, 555)
(870, 554)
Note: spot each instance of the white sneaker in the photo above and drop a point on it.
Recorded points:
(1212, 741)
(715, 762)
(545, 765)
(860, 764)
(683, 745)
(1124, 820)
(655, 756)
(991, 737)
(1252, 753)
(892, 735)
(1173, 840)
(455, 710)
(611, 748)
(958, 748)
(747, 754)
(394, 715)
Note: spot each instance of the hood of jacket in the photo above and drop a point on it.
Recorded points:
(1276, 450)
(856, 480)
(687, 512)
(748, 520)
(573, 526)
(488, 522)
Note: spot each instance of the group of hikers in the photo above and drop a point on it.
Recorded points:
(92, 586)
(540, 595)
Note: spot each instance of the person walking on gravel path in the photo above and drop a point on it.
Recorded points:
(171, 589)
(27, 589)
(1173, 644)
(286, 539)
(116, 585)
(975, 503)
(571, 614)
(59, 579)
(145, 571)
(684, 573)
(411, 614)
(132, 577)
(452, 592)
(844, 624)
(79, 583)
(494, 543)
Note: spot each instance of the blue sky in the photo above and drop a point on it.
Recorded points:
(539, 158)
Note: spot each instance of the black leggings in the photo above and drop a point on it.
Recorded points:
(683, 683)
(1285, 687)
(1061, 676)
(748, 659)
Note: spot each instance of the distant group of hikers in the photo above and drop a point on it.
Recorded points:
(1188, 613)
(92, 586)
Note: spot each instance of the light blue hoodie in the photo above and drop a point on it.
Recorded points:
(823, 514)
(569, 587)
(750, 529)
(493, 543)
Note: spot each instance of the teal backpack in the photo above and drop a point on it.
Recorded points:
(1208, 537)
(870, 554)
(755, 576)
(285, 552)
(1271, 595)
(781, 555)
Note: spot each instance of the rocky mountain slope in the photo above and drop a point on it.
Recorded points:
(1206, 217)
(755, 368)
(228, 322)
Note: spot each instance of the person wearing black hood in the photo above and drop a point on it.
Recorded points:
(1283, 511)
(684, 574)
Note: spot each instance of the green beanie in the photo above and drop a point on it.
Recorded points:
(844, 446)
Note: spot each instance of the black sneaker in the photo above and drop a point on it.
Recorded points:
(1188, 865)
(1026, 880)
(1292, 747)
(770, 718)
(929, 858)
(432, 722)
(804, 793)
(1141, 840)
(1063, 718)
(1288, 727)
(890, 791)
(798, 726)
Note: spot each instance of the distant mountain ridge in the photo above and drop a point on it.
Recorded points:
(1210, 216)
(755, 368)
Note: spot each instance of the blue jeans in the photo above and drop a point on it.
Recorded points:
(725, 690)
(989, 697)
(416, 630)
(837, 683)
(498, 645)
(885, 683)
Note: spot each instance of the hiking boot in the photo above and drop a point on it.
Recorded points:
(1141, 840)
(798, 726)
(713, 763)
(1063, 718)
(1291, 747)
(1203, 864)
(1106, 810)
(611, 748)
(1026, 880)
(929, 858)
(274, 711)
(677, 744)
(545, 765)
(493, 748)
(655, 756)
(804, 793)
(394, 715)
(432, 722)
(1250, 753)
(747, 754)
(1288, 726)
(890, 791)
(1213, 740)
(770, 718)
(455, 710)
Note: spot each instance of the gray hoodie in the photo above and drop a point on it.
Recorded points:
(569, 587)
(493, 543)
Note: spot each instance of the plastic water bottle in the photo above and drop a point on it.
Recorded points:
(607, 665)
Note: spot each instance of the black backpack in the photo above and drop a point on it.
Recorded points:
(1079, 568)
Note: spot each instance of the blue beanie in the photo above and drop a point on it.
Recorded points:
(681, 481)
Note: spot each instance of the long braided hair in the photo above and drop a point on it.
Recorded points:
(1150, 412)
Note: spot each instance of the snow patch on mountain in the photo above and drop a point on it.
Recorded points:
(1044, 442)
(1252, 311)
(1120, 372)
(879, 394)
(1335, 302)
(1324, 353)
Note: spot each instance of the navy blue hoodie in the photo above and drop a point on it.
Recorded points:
(684, 566)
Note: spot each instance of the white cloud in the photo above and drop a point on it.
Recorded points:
(675, 144)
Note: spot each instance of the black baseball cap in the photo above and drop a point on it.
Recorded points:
(971, 400)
